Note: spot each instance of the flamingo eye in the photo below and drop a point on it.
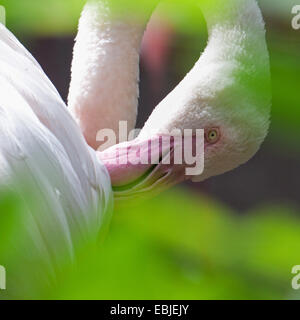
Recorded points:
(212, 136)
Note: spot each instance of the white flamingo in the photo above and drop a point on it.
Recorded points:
(226, 93)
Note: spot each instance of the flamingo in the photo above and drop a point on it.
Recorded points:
(54, 149)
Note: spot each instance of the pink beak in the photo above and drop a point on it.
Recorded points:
(147, 167)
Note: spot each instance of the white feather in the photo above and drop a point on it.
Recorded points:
(42, 148)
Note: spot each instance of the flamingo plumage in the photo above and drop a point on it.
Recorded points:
(55, 150)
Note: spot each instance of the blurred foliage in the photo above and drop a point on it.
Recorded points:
(55, 16)
(180, 247)
(176, 246)
(43, 17)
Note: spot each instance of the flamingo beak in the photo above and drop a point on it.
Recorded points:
(144, 168)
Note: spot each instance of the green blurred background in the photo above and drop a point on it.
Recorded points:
(236, 236)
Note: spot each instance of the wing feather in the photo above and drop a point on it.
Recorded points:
(42, 147)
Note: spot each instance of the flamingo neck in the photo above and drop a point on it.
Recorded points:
(105, 69)
(243, 14)
(228, 69)
(234, 28)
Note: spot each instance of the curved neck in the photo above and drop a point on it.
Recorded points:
(231, 13)
(237, 39)
(234, 64)
(234, 25)
(105, 68)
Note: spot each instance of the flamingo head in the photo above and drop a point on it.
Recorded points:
(226, 97)
(232, 113)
